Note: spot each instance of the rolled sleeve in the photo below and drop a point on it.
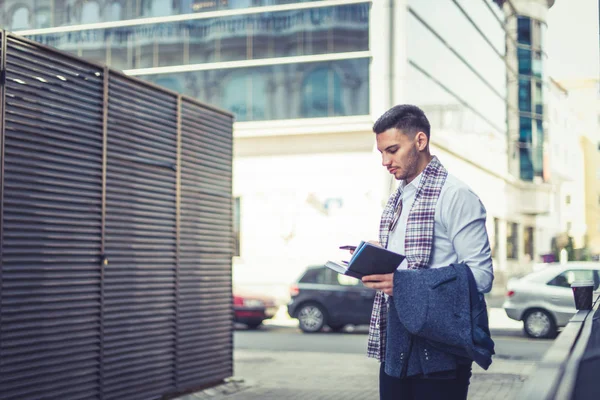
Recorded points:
(466, 229)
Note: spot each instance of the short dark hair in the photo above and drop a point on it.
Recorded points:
(405, 117)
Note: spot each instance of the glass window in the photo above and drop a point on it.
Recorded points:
(321, 93)
(346, 280)
(21, 19)
(525, 95)
(568, 277)
(114, 12)
(43, 18)
(244, 95)
(279, 91)
(61, 12)
(253, 36)
(528, 243)
(90, 12)
(240, 3)
(525, 130)
(169, 82)
(524, 30)
(512, 244)
(525, 163)
(313, 275)
(156, 8)
(524, 56)
(328, 277)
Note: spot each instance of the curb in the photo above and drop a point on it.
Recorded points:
(228, 387)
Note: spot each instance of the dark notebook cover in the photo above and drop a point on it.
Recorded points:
(368, 259)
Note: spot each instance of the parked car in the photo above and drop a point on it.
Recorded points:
(252, 309)
(323, 297)
(543, 299)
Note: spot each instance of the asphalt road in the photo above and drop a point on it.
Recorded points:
(510, 344)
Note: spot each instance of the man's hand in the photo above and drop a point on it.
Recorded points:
(373, 242)
(383, 282)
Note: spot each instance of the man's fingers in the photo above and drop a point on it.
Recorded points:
(378, 285)
(384, 287)
(376, 278)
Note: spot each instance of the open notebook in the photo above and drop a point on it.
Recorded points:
(368, 259)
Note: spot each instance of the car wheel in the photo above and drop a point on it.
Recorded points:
(311, 318)
(539, 324)
(253, 325)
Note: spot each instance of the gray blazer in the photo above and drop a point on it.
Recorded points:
(436, 320)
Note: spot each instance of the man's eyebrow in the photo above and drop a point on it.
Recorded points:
(389, 147)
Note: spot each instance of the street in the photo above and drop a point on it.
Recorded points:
(279, 361)
(511, 344)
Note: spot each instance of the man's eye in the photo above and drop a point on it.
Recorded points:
(393, 151)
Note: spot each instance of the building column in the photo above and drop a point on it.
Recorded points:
(380, 45)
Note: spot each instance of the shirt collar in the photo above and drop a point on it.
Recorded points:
(414, 183)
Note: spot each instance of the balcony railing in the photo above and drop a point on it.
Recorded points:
(569, 369)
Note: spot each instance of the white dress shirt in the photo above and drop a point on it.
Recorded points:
(459, 233)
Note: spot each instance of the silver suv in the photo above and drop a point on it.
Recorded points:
(543, 300)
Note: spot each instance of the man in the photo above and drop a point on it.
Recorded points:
(445, 225)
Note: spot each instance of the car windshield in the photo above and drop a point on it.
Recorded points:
(326, 276)
(320, 275)
(549, 271)
(566, 278)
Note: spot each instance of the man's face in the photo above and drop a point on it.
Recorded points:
(399, 153)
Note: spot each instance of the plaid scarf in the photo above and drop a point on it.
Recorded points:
(418, 243)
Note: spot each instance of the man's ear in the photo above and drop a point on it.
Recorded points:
(422, 141)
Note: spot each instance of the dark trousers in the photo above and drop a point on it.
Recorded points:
(447, 386)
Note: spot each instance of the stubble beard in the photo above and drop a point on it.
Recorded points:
(412, 165)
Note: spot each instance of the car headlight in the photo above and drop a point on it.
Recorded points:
(253, 303)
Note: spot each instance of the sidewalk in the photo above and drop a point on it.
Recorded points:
(268, 375)
(262, 375)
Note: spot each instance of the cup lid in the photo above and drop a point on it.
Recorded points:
(582, 283)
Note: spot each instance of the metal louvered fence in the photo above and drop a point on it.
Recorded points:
(115, 233)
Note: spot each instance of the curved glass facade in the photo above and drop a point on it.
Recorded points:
(323, 30)
(285, 90)
(274, 92)
(39, 14)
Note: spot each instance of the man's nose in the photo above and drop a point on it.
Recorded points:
(386, 161)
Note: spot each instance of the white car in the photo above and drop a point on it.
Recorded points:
(543, 299)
